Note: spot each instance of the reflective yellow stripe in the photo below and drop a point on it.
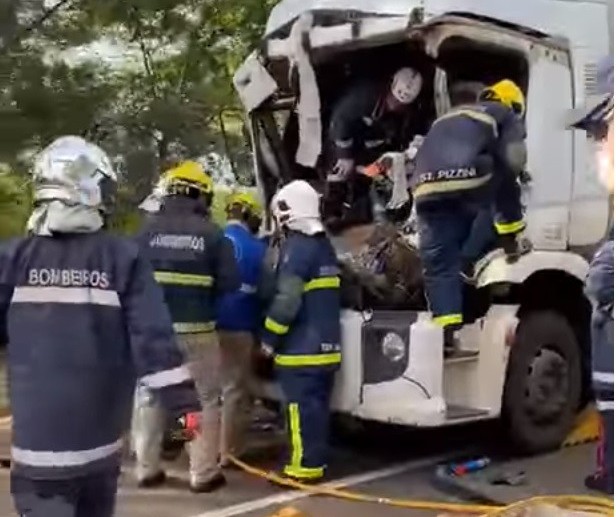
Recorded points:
(507, 228)
(448, 319)
(450, 186)
(194, 328)
(295, 428)
(325, 282)
(308, 360)
(304, 473)
(294, 468)
(479, 116)
(275, 327)
(168, 277)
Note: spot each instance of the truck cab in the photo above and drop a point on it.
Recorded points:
(528, 321)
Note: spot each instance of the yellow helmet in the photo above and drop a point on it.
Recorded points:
(246, 201)
(508, 93)
(187, 175)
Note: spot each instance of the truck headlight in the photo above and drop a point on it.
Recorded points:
(393, 347)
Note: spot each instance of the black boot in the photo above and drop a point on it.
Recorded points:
(514, 247)
(600, 483)
(218, 481)
(153, 481)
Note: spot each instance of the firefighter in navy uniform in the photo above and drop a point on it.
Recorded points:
(366, 122)
(195, 265)
(85, 317)
(302, 328)
(598, 121)
(470, 159)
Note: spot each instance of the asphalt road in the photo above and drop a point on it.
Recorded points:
(386, 462)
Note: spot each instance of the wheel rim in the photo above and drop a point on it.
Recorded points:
(547, 386)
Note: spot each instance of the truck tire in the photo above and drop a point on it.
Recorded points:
(543, 383)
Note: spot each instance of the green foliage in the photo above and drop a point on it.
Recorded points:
(14, 205)
(173, 99)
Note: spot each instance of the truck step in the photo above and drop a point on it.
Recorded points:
(462, 356)
(455, 412)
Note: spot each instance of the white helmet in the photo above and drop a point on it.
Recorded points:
(75, 172)
(153, 201)
(296, 206)
(406, 85)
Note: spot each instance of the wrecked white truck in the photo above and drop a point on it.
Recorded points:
(528, 321)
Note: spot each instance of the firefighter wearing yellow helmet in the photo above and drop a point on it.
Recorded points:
(465, 178)
(508, 93)
(239, 317)
(195, 265)
(244, 207)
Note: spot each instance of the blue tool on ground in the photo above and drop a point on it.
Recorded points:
(465, 467)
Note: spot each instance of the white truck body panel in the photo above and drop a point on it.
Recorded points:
(565, 205)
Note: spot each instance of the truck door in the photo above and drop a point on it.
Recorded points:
(550, 149)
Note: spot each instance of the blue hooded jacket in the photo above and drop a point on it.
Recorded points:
(241, 311)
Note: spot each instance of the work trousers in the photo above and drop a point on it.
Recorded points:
(236, 350)
(482, 238)
(203, 358)
(87, 496)
(605, 449)
(449, 234)
(307, 393)
(602, 336)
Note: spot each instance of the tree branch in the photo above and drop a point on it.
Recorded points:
(47, 14)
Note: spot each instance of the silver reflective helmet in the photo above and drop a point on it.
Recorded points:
(75, 172)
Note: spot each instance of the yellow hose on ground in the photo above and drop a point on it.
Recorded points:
(591, 504)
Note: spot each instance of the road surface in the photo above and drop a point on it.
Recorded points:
(387, 462)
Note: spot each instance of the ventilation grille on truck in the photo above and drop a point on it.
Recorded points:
(590, 79)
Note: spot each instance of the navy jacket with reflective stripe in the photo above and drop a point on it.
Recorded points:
(84, 318)
(241, 310)
(360, 129)
(463, 149)
(600, 289)
(314, 330)
(193, 261)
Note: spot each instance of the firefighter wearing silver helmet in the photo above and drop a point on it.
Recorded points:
(302, 328)
(85, 317)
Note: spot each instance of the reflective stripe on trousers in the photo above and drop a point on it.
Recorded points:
(64, 458)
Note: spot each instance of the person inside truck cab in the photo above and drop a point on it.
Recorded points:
(469, 160)
(364, 121)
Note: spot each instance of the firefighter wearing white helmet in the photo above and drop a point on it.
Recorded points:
(82, 314)
(302, 328)
(371, 118)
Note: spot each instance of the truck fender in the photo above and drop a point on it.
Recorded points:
(497, 270)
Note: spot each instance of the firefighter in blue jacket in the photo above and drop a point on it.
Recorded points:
(598, 121)
(470, 159)
(302, 327)
(195, 265)
(85, 317)
(240, 319)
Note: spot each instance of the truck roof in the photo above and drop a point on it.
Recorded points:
(567, 18)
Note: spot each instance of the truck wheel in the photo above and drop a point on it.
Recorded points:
(543, 383)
